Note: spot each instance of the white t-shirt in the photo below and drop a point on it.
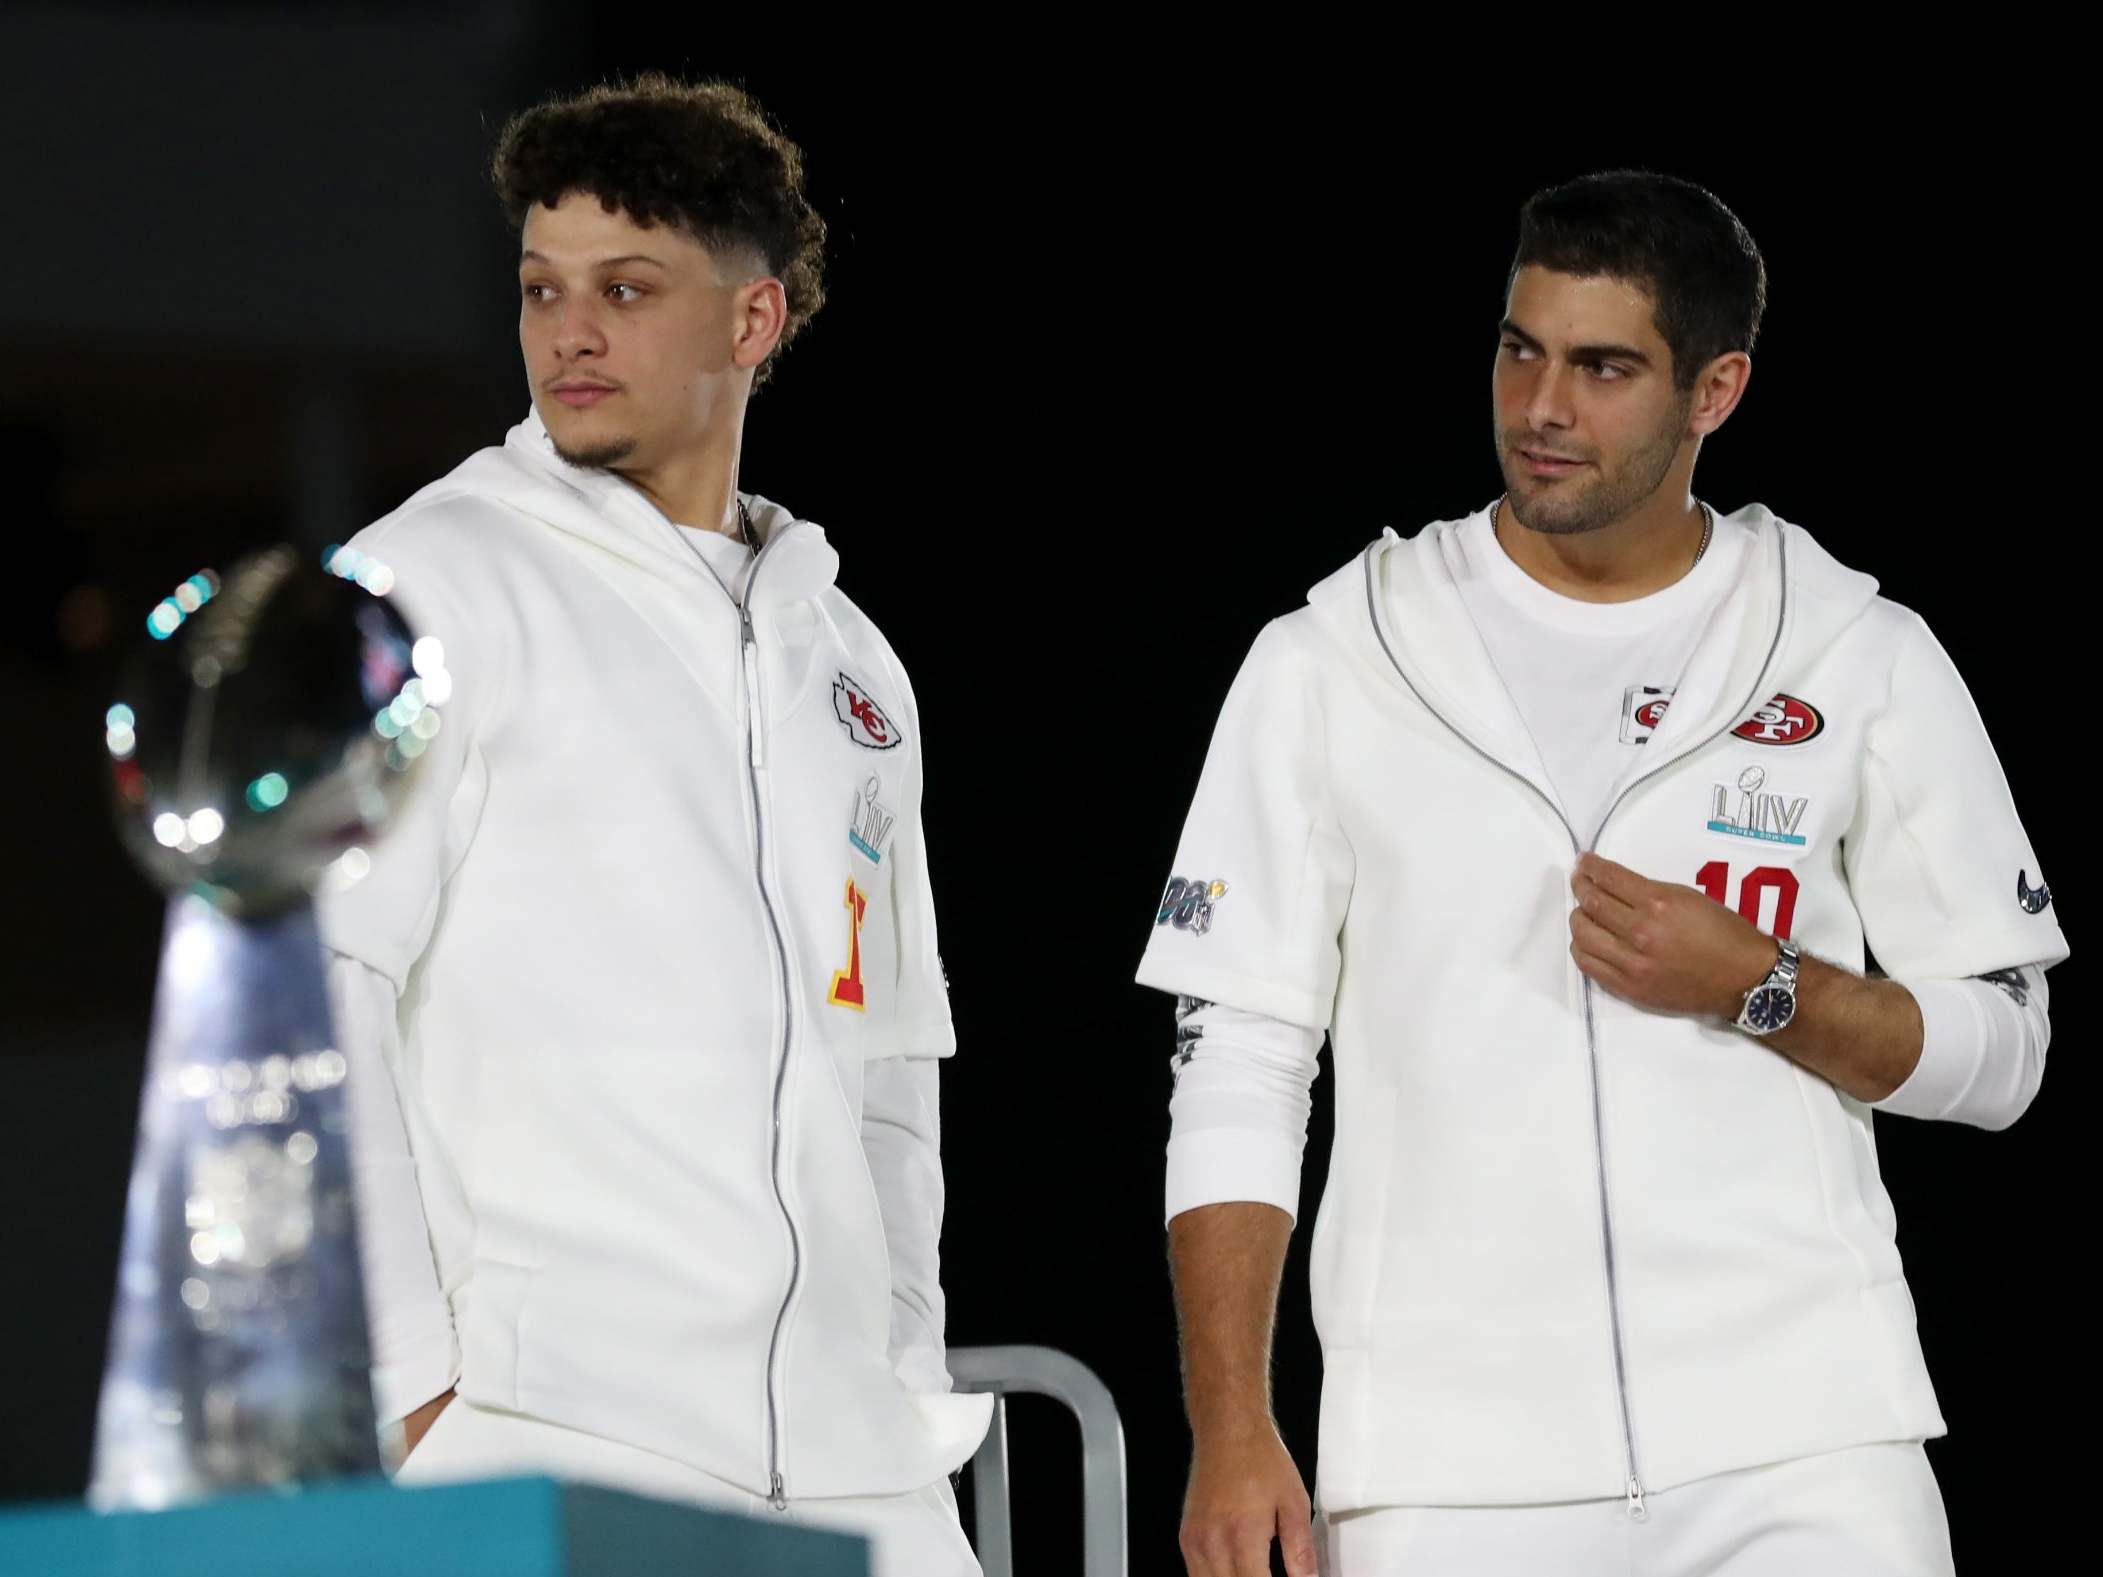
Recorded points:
(1591, 680)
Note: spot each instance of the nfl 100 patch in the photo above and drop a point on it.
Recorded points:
(867, 723)
(1188, 905)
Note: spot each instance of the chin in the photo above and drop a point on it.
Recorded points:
(1553, 514)
(590, 451)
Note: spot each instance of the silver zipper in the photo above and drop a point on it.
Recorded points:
(777, 1496)
(1636, 1508)
(756, 761)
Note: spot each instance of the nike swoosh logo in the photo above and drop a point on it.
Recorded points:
(2033, 899)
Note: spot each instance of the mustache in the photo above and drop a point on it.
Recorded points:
(1514, 442)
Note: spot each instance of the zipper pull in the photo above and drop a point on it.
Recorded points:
(751, 657)
(1636, 1510)
(779, 1499)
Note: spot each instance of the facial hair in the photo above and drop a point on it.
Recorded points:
(1615, 496)
(597, 457)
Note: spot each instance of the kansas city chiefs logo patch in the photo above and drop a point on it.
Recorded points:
(1782, 721)
(867, 724)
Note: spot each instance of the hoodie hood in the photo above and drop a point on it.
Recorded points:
(598, 507)
(1398, 605)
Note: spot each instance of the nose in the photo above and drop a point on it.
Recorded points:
(577, 334)
(1547, 405)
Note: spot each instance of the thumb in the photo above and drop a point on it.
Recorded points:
(1296, 1544)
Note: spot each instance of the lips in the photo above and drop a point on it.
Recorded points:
(580, 395)
(1548, 464)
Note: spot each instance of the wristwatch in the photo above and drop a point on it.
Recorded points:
(1772, 1003)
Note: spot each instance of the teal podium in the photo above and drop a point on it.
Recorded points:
(517, 1527)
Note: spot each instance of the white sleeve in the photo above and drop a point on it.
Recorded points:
(1945, 879)
(387, 919)
(1982, 1052)
(1238, 1117)
(415, 1354)
(1252, 917)
(902, 1139)
(921, 1024)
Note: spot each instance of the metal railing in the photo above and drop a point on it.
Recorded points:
(1045, 1371)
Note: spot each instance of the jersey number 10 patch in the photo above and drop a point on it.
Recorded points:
(1714, 879)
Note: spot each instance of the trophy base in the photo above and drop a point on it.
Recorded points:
(238, 1351)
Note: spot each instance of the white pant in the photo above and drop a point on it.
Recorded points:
(914, 1535)
(1869, 1511)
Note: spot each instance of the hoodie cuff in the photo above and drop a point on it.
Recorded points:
(1215, 1166)
(1953, 1038)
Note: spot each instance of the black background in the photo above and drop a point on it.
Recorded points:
(1122, 355)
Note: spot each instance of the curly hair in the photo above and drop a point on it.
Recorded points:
(701, 157)
(1674, 238)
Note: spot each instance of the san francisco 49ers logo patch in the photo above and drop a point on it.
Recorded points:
(1783, 721)
(867, 724)
(1642, 709)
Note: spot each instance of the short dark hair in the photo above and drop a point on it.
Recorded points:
(702, 157)
(1675, 239)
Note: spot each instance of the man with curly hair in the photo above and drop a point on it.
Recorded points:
(643, 992)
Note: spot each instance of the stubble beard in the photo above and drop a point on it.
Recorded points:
(1613, 497)
(604, 454)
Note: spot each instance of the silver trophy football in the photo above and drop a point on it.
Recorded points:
(272, 725)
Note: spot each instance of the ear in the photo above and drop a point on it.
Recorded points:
(1717, 391)
(758, 313)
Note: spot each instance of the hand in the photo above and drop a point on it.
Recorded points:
(1243, 1494)
(1669, 948)
(419, 1423)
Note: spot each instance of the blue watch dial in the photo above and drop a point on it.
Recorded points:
(1769, 1008)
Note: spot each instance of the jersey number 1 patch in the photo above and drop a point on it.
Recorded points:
(847, 990)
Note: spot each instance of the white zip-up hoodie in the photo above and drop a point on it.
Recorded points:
(660, 901)
(1571, 1248)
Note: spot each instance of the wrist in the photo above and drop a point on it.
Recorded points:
(1228, 1430)
(1754, 963)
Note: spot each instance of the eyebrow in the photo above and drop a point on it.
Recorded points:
(530, 256)
(1578, 352)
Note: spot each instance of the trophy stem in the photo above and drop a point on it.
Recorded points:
(238, 1351)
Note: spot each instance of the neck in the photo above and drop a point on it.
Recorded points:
(696, 487)
(1643, 552)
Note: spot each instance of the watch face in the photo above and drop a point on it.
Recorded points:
(1769, 1009)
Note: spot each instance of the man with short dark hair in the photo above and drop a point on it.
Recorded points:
(1573, 824)
(653, 1196)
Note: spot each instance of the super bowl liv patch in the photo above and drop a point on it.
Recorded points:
(868, 823)
(1188, 905)
(1771, 818)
